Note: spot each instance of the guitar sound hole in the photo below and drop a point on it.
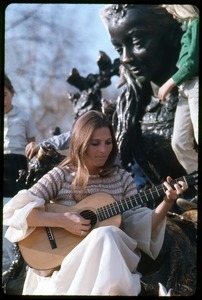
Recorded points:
(90, 215)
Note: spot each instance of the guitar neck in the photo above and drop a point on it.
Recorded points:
(44, 253)
(138, 200)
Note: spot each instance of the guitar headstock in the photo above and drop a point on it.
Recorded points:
(190, 179)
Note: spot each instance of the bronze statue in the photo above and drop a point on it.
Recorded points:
(90, 86)
(147, 39)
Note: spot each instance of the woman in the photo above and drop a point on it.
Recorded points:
(105, 261)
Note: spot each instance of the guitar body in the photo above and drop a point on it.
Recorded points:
(45, 248)
(36, 248)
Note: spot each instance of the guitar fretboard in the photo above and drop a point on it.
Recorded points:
(139, 199)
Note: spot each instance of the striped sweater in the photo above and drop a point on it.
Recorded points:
(55, 185)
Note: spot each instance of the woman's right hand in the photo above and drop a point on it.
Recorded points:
(70, 221)
(76, 224)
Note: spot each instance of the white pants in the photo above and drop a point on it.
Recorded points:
(186, 125)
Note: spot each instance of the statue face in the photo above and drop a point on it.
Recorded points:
(140, 42)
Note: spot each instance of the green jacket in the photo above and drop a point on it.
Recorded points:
(188, 60)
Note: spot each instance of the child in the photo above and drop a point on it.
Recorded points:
(19, 130)
(185, 131)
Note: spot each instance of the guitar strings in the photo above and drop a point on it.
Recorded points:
(118, 207)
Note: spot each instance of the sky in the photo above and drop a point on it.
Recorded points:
(87, 22)
(29, 63)
(90, 31)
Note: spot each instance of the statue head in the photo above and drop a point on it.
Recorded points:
(146, 37)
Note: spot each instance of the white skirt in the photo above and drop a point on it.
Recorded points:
(103, 263)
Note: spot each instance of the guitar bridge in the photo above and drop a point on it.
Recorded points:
(51, 237)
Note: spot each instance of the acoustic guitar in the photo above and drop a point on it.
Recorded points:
(45, 248)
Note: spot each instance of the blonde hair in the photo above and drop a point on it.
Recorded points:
(82, 131)
(183, 12)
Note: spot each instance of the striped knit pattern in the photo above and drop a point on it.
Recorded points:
(56, 185)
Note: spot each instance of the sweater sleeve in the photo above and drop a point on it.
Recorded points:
(61, 141)
(188, 62)
(19, 207)
(49, 185)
